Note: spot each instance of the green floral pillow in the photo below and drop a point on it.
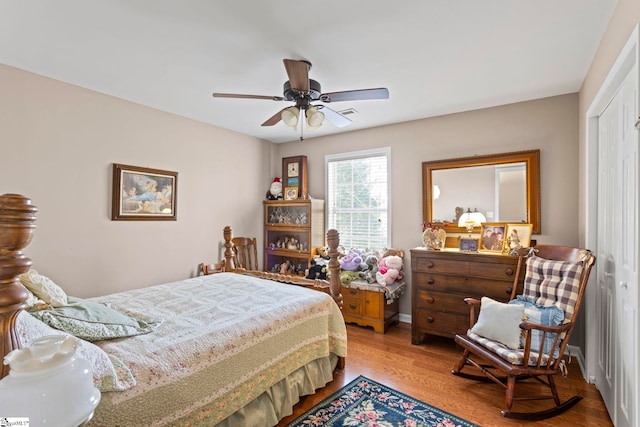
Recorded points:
(93, 321)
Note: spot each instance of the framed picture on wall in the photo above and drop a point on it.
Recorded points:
(492, 236)
(143, 194)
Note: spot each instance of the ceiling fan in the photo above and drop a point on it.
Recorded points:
(304, 91)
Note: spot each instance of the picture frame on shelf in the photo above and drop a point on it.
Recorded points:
(469, 244)
(141, 193)
(517, 234)
(492, 236)
(291, 193)
(294, 174)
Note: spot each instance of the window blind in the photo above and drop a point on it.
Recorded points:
(358, 198)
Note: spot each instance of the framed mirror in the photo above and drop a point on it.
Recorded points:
(503, 187)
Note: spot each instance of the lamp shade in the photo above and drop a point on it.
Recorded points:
(314, 117)
(471, 219)
(290, 116)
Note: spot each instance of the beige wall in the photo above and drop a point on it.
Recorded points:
(550, 124)
(58, 145)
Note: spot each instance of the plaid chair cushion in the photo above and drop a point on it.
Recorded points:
(515, 357)
(550, 282)
(546, 316)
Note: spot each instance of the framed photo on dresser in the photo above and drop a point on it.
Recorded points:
(492, 236)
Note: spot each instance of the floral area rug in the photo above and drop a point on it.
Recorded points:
(364, 402)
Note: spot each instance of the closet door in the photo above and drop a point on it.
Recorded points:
(627, 259)
(617, 278)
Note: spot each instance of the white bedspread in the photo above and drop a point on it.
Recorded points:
(225, 339)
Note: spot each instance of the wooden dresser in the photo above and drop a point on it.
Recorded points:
(440, 280)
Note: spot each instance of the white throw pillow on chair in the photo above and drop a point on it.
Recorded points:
(499, 322)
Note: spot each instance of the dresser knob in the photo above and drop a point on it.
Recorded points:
(429, 264)
(430, 319)
(353, 291)
(509, 271)
(430, 300)
(431, 281)
(352, 307)
(508, 291)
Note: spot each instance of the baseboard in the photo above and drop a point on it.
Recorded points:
(575, 352)
(404, 318)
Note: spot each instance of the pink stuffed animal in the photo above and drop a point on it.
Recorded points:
(389, 270)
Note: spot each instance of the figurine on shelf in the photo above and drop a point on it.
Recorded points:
(275, 190)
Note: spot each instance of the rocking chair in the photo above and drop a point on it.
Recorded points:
(532, 344)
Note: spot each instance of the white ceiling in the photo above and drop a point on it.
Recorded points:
(435, 56)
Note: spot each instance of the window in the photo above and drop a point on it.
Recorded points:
(357, 191)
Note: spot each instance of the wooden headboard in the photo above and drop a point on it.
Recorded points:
(17, 225)
(333, 286)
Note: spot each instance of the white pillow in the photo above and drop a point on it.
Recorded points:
(109, 372)
(44, 288)
(499, 322)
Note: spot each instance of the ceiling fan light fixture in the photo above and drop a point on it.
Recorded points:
(290, 116)
(314, 117)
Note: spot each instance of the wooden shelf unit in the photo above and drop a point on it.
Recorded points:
(302, 220)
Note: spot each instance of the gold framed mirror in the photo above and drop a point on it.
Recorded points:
(504, 187)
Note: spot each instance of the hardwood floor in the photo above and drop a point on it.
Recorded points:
(424, 372)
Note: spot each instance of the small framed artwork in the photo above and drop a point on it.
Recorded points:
(143, 194)
(492, 236)
(291, 193)
(517, 235)
(468, 244)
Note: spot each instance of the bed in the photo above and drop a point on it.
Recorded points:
(232, 348)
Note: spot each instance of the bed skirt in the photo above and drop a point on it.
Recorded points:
(277, 402)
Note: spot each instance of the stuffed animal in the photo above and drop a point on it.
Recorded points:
(371, 268)
(320, 255)
(347, 277)
(275, 190)
(316, 271)
(388, 270)
(351, 261)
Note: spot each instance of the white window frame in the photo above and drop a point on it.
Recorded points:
(376, 152)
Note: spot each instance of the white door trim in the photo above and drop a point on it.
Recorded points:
(624, 63)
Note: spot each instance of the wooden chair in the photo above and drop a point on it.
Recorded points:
(245, 252)
(207, 269)
(554, 275)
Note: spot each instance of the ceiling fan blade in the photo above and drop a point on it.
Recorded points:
(235, 95)
(274, 119)
(298, 72)
(356, 95)
(334, 117)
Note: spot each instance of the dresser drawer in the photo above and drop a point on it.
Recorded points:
(351, 306)
(443, 302)
(350, 294)
(438, 323)
(464, 285)
(486, 269)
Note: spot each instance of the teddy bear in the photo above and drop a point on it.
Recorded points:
(351, 261)
(389, 270)
(316, 271)
(320, 255)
